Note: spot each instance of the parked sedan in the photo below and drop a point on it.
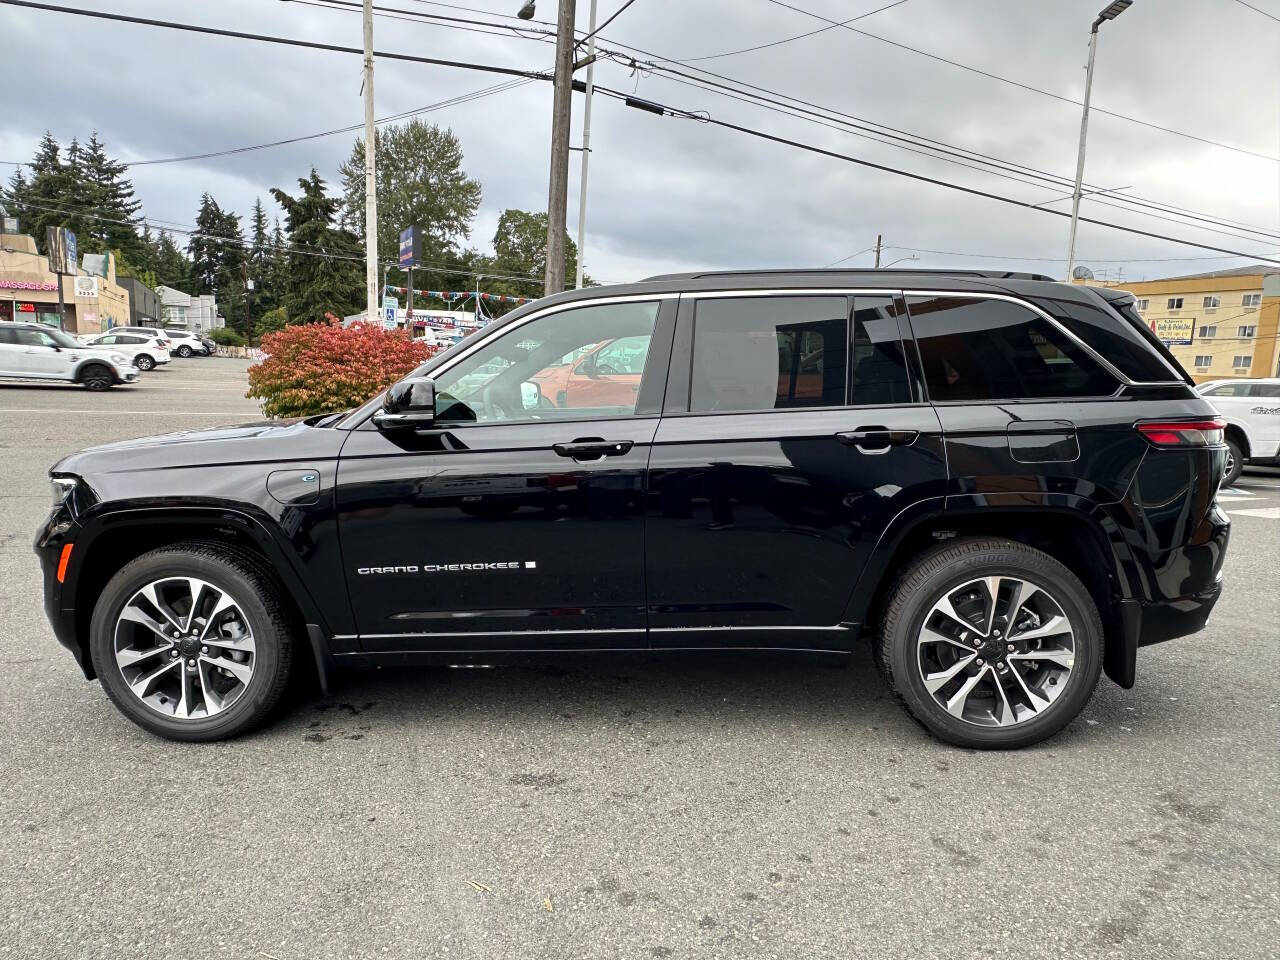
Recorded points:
(144, 352)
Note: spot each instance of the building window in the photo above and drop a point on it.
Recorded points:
(1242, 360)
(1246, 330)
(1142, 305)
(1212, 302)
(1204, 360)
(1175, 303)
(1251, 299)
(1208, 332)
(175, 314)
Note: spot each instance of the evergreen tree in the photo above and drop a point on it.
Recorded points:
(110, 195)
(324, 269)
(261, 260)
(217, 250)
(47, 190)
(172, 268)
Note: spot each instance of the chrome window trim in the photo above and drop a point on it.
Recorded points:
(534, 315)
(1103, 361)
(792, 292)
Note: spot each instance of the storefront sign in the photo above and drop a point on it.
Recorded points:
(25, 285)
(86, 286)
(20, 307)
(1174, 331)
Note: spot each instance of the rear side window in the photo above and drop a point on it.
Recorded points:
(769, 353)
(1229, 390)
(977, 349)
(1266, 389)
(1126, 341)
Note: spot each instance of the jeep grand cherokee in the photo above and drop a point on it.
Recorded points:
(1006, 485)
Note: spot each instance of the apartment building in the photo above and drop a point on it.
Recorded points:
(1219, 325)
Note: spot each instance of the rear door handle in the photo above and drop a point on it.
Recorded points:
(593, 448)
(877, 439)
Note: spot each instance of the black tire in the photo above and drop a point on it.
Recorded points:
(1235, 463)
(942, 569)
(251, 581)
(144, 362)
(97, 377)
(184, 351)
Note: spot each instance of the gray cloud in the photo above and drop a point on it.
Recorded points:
(671, 193)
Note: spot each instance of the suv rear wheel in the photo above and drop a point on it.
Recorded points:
(1234, 464)
(184, 350)
(191, 642)
(143, 362)
(990, 643)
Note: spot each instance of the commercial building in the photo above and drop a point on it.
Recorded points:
(1219, 325)
(92, 299)
(144, 303)
(199, 314)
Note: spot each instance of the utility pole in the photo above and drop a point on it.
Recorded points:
(878, 239)
(248, 288)
(370, 170)
(558, 190)
(586, 145)
(1110, 12)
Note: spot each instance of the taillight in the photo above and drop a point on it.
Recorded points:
(1183, 433)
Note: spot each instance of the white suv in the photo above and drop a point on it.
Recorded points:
(29, 351)
(146, 351)
(1252, 411)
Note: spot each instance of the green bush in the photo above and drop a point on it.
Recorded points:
(226, 337)
(270, 322)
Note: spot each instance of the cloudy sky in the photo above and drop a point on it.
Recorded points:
(670, 193)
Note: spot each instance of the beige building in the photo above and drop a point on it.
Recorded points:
(1219, 325)
(29, 291)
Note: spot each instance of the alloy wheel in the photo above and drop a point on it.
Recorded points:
(996, 651)
(184, 648)
(1230, 465)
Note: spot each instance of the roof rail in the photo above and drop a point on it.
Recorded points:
(826, 271)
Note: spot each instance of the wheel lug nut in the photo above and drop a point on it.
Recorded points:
(1012, 648)
(996, 632)
(173, 653)
(206, 649)
(981, 662)
(191, 663)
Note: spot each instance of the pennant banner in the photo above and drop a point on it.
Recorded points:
(461, 295)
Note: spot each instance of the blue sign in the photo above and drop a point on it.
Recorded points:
(390, 313)
(72, 258)
(408, 247)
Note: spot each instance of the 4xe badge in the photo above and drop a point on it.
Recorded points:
(482, 567)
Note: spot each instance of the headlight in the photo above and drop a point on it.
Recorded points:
(119, 359)
(62, 487)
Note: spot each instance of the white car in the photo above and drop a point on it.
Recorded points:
(30, 351)
(146, 351)
(1252, 411)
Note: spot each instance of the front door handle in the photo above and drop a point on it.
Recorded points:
(592, 448)
(877, 439)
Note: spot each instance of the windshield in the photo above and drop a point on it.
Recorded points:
(61, 339)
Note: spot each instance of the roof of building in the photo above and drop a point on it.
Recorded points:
(1248, 270)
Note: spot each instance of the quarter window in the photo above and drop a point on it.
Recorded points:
(768, 353)
(586, 362)
(984, 349)
(1266, 389)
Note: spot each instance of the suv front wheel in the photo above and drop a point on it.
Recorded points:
(990, 643)
(191, 641)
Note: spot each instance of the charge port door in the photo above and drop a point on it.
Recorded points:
(1043, 441)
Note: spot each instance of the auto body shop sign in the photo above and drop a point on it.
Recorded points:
(1174, 331)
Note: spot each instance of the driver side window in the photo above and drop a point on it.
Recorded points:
(524, 374)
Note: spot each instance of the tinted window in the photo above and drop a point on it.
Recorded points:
(110, 338)
(1125, 341)
(131, 339)
(1266, 389)
(766, 353)
(533, 373)
(8, 335)
(34, 338)
(982, 349)
(879, 374)
(1229, 390)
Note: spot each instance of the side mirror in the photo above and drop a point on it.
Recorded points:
(408, 404)
(530, 395)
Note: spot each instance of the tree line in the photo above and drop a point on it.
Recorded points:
(307, 261)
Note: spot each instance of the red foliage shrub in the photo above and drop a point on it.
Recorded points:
(319, 367)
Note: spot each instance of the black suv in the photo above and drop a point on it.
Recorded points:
(1007, 484)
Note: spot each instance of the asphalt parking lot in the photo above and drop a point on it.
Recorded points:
(738, 809)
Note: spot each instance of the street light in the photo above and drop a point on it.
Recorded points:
(526, 12)
(1109, 12)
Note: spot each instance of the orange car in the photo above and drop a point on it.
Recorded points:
(606, 375)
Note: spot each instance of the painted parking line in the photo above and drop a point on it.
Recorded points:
(1270, 513)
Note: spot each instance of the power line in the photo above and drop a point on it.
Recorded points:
(664, 110)
(1024, 86)
(617, 13)
(798, 36)
(266, 38)
(1270, 16)
(1018, 256)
